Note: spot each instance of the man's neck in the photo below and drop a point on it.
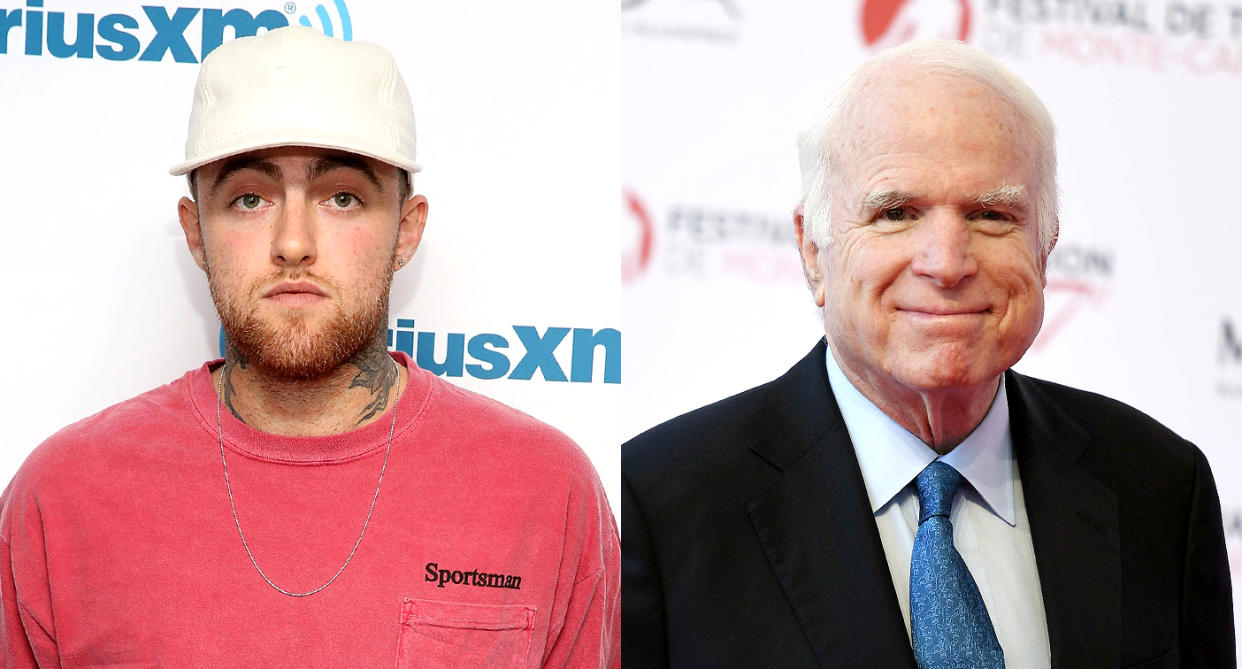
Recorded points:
(354, 394)
(941, 419)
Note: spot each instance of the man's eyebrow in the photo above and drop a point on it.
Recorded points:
(239, 163)
(1009, 195)
(885, 199)
(325, 164)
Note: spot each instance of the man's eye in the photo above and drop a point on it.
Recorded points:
(992, 215)
(344, 200)
(249, 201)
(895, 214)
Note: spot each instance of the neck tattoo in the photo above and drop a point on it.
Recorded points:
(232, 505)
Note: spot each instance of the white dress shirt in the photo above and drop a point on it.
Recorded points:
(990, 528)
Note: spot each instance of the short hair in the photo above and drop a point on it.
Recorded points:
(819, 145)
(405, 181)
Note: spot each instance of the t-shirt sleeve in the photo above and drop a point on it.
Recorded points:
(25, 612)
(586, 620)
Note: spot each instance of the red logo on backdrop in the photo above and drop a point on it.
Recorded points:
(1064, 297)
(888, 23)
(1078, 276)
(638, 237)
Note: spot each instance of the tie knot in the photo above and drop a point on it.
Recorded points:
(937, 485)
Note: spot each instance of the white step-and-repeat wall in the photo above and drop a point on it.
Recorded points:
(1144, 298)
(517, 105)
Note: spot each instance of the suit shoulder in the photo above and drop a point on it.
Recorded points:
(711, 442)
(1093, 409)
(695, 435)
(1117, 429)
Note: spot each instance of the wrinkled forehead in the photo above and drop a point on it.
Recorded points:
(910, 110)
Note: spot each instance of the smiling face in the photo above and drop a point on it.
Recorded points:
(300, 245)
(934, 279)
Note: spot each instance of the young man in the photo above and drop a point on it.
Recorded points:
(311, 500)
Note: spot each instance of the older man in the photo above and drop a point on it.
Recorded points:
(900, 496)
(312, 499)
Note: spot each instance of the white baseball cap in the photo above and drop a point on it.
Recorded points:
(295, 87)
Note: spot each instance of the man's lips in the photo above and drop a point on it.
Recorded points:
(943, 311)
(294, 288)
(295, 293)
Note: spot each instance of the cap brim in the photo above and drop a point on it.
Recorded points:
(188, 166)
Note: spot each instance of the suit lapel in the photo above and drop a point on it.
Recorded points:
(1074, 529)
(817, 530)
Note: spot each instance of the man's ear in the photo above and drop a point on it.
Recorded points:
(410, 230)
(809, 251)
(187, 212)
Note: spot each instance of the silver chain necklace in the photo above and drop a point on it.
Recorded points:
(220, 436)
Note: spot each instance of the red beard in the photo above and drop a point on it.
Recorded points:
(290, 349)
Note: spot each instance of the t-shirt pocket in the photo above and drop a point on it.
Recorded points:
(437, 634)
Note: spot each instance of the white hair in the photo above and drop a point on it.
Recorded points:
(823, 155)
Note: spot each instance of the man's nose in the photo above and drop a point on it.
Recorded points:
(293, 239)
(943, 254)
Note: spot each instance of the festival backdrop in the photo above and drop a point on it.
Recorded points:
(514, 292)
(1144, 296)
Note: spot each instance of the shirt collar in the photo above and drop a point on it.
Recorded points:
(890, 456)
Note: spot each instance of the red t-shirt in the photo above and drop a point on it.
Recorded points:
(491, 543)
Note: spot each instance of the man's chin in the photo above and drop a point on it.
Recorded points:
(297, 352)
(947, 375)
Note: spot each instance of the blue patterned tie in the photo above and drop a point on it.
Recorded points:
(949, 624)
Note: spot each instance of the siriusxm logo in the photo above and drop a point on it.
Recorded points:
(325, 21)
(491, 356)
(154, 34)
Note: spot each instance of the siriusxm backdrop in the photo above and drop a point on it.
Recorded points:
(1144, 298)
(514, 292)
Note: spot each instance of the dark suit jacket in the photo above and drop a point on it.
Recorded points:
(748, 540)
